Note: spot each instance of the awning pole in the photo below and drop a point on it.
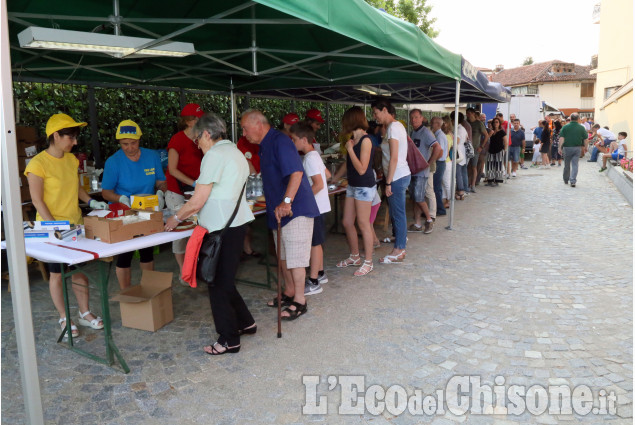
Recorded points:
(232, 100)
(454, 153)
(16, 255)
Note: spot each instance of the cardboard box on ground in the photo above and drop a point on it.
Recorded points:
(147, 306)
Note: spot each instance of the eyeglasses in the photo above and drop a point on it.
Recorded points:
(198, 137)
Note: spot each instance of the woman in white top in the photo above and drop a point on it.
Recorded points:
(397, 173)
(461, 163)
(224, 171)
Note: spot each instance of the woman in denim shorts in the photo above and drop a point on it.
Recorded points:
(360, 192)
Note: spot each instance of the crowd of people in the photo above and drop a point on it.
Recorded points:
(202, 161)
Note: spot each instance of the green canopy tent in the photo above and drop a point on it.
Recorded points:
(323, 50)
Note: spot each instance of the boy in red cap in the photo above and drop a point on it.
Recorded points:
(288, 121)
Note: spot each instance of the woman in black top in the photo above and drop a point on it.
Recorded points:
(495, 164)
(360, 191)
(555, 140)
(545, 140)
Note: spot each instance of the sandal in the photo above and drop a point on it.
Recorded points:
(393, 259)
(376, 244)
(74, 330)
(300, 309)
(96, 323)
(366, 268)
(285, 301)
(250, 330)
(350, 261)
(388, 239)
(215, 352)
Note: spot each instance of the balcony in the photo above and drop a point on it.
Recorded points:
(595, 17)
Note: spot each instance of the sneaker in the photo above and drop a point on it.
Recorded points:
(428, 227)
(311, 289)
(413, 228)
(602, 169)
(514, 174)
(572, 184)
(523, 167)
(322, 279)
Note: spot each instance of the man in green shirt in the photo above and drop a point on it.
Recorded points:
(573, 142)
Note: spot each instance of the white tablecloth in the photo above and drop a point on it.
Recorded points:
(56, 252)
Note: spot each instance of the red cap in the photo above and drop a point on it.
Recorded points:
(315, 114)
(291, 119)
(192, 109)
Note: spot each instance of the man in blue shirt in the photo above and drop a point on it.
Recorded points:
(290, 202)
(517, 137)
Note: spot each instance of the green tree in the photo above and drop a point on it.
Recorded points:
(413, 11)
(528, 61)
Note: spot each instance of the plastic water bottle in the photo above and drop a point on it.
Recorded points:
(250, 189)
(94, 183)
(258, 185)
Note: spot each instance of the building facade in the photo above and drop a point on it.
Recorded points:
(614, 70)
(566, 86)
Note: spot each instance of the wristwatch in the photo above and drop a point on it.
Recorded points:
(287, 200)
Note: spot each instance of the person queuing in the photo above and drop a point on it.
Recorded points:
(516, 144)
(290, 202)
(316, 173)
(555, 140)
(461, 163)
(545, 143)
(224, 172)
(448, 129)
(475, 167)
(436, 125)
(431, 150)
(184, 165)
(131, 170)
(360, 192)
(397, 174)
(495, 165)
(287, 121)
(315, 120)
(55, 190)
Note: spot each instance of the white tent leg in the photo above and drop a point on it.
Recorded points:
(454, 153)
(16, 254)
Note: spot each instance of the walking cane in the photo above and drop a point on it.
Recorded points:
(279, 284)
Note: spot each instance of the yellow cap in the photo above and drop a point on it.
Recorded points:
(128, 129)
(60, 121)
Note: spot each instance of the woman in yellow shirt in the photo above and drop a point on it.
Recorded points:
(55, 190)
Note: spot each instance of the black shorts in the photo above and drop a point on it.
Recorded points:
(124, 260)
(319, 230)
(56, 268)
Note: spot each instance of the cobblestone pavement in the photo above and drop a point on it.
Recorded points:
(534, 284)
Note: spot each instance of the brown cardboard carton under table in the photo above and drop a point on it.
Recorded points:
(147, 306)
(112, 231)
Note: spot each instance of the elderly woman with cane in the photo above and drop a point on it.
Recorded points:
(216, 199)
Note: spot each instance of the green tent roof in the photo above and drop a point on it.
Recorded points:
(262, 46)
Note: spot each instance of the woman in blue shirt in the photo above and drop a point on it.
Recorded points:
(131, 170)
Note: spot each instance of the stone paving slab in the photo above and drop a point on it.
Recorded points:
(533, 284)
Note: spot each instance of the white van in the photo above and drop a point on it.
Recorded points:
(528, 109)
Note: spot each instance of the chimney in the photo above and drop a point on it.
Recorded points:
(499, 68)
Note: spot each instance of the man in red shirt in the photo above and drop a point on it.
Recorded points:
(252, 154)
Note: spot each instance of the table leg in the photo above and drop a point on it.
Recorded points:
(263, 261)
(111, 348)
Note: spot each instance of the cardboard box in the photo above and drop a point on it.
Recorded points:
(145, 202)
(49, 235)
(111, 230)
(22, 162)
(147, 306)
(26, 134)
(26, 149)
